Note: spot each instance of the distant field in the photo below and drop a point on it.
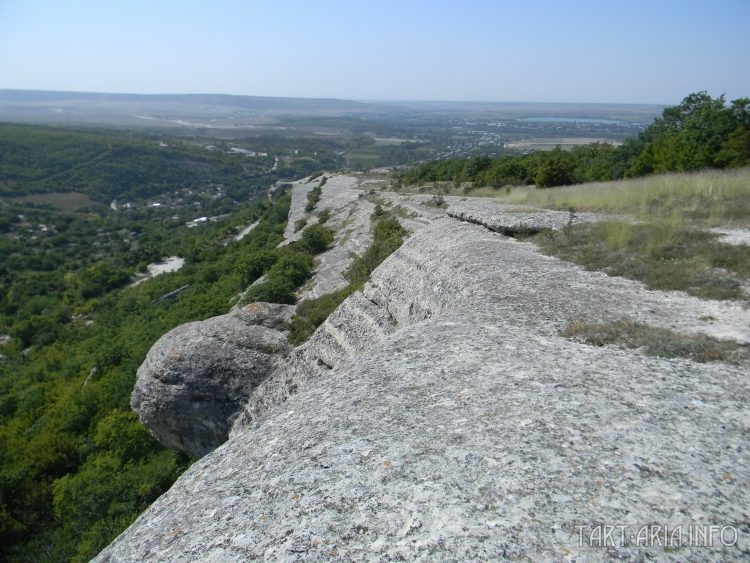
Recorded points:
(550, 143)
(68, 201)
(366, 157)
(389, 141)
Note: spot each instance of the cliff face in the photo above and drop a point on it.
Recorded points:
(439, 414)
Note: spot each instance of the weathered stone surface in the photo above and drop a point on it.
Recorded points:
(508, 220)
(197, 377)
(439, 415)
(445, 444)
(350, 219)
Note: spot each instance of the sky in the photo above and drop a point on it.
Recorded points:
(619, 51)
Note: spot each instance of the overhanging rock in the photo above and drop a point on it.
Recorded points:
(197, 378)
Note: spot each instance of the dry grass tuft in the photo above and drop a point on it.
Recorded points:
(659, 342)
(666, 255)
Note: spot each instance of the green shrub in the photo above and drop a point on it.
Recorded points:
(388, 235)
(313, 197)
(699, 133)
(273, 290)
(317, 238)
(437, 201)
(252, 266)
(293, 266)
(312, 312)
(324, 215)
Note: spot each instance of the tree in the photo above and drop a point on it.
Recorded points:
(556, 169)
(700, 132)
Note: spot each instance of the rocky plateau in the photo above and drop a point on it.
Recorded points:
(439, 413)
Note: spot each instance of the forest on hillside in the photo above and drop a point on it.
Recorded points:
(701, 132)
(76, 465)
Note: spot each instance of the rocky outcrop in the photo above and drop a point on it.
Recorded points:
(197, 378)
(511, 221)
(440, 415)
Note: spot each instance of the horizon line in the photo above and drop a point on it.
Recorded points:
(334, 98)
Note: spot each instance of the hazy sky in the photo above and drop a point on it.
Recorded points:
(492, 50)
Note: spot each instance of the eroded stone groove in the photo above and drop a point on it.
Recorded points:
(500, 219)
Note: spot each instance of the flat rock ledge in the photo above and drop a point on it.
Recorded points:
(511, 221)
(197, 378)
(439, 415)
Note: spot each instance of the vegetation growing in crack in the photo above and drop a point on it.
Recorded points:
(436, 201)
(323, 216)
(288, 267)
(388, 235)
(313, 196)
(659, 342)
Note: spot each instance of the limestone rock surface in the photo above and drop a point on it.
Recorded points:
(440, 415)
(196, 379)
(508, 220)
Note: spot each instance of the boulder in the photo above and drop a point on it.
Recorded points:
(196, 378)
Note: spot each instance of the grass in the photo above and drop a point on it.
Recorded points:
(668, 255)
(658, 342)
(448, 188)
(709, 198)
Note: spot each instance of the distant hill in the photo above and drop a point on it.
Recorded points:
(206, 110)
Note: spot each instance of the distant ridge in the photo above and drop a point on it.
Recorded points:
(170, 109)
(270, 102)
